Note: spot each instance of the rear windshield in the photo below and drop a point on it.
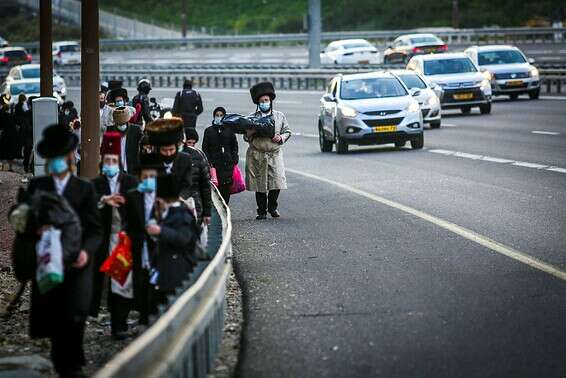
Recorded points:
(500, 57)
(15, 53)
(69, 48)
(30, 73)
(448, 66)
(412, 81)
(16, 89)
(419, 40)
(359, 89)
(356, 45)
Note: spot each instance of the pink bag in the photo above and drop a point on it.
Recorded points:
(238, 183)
(213, 176)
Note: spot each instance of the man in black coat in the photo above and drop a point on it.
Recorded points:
(131, 135)
(111, 188)
(188, 104)
(221, 148)
(60, 314)
(201, 190)
(141, 103)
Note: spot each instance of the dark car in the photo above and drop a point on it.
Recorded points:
(406, 46)
(13, 56)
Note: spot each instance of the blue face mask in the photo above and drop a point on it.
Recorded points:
(264, 106)
(58, 165)
(123, 127)
(110, 170)
(120, 103)
(148, 185)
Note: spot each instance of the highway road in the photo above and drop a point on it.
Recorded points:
(447, 261)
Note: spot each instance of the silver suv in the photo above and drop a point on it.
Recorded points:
(368, 109)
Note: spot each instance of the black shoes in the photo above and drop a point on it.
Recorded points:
(261, 217)
(275, 214)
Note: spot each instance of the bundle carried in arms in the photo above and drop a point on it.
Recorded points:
(263, 126)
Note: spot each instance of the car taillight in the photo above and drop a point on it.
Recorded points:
(443, 48)
(4, 59)
(29, 58)
(417, 50)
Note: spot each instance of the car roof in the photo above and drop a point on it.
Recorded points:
(493, 48)
(12, 49)
(416, 35)
(346, 41)
(28, 66)
(64, 43)
(368, 75)
(454, 55)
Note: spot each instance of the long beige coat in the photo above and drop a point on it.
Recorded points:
(265, 169)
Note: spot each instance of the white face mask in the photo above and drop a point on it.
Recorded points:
(217, 120)
(122, 127)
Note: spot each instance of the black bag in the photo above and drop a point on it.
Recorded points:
(264, 126)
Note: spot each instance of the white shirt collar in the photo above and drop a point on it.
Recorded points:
(61, 184)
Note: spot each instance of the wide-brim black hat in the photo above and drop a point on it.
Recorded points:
(191, 133)
(167, 187)
(117, 92)
(150, 161)
(165, 131)
(262, 89)
(56, 141)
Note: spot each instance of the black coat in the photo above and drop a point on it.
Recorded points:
(200, 189)
(70, 301)
(187, 105)
(182, 169)
(102, 188)
(145, 113)
(134, 225)
(9, 139)
(221, 148)
(175, 251)
(134, 135)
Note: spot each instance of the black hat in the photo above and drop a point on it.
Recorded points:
(191, 133)
(167, 186)
(56, 141)
(165, 131)
(187, 84)
(262, 89)
(68, 105)
(117, 92)
(114, 84)
(219, 109)
(150, 161)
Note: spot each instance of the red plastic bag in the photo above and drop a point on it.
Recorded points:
(119, 264)
(238, 182)
(213, 176)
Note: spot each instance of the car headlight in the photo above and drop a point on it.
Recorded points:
(533, 72)
(348, 111)
(414, 107)
(432, 100)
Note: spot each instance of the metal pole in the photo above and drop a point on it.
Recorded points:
(314, 33)
(455, 14)
(90, 71)
(184, 17)
(45, 48)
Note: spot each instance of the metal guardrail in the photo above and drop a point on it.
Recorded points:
(380, 38)
(184, 340)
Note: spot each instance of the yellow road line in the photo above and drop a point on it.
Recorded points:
(454, 228)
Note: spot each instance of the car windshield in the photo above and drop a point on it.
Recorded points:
(355, 45)
(500, 57)
(15, 53)
(420, 40)
(17, 88)
(360, 89)
(69, 48)
(412, 81)
(30, 73)
(448, 66)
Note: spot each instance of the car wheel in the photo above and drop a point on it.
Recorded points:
(466, 109)
(534, 95)
(417, 143)
(325, 146)
(513, 97)
(400, 144)
(485, 108)
(435, 125)
(341, 145)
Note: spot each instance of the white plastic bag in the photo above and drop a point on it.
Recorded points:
(49, 251)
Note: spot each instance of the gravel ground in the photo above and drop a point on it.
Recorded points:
(99, 345)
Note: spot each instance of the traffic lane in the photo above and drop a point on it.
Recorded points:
(341, 286)
(521, 207)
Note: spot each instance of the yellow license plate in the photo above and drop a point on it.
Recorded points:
(463, 96)
(514, 83)
(384, 129)
(363, 61)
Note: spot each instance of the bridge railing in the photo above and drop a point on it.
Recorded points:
(184, 340)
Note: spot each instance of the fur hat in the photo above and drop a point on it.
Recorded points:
(262, 89)
(56, 141)
(191, 133)
(111, 143)
(167, 186)
(165, 131)
(150, 161)
(121, 115)
(116, 92)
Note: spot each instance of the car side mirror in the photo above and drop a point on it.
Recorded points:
(329, 98)
(415, 92)
(531, 60)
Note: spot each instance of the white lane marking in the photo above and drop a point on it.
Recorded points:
(306, 135)
(553, 98)
(545, 132)
(289, 102)
(448, 125)
(452, 227)
(492, 159)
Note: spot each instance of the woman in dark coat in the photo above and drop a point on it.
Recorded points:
(221, 148)
(61, 313)
(9, 137)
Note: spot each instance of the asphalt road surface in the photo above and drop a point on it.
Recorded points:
(442, 262)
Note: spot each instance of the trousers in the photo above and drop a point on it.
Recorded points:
(267, 201)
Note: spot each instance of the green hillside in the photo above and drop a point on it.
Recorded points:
(283, 16)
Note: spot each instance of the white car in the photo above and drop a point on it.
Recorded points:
(66, 53)
(512, 73)
(463, 85)
(428, 99)
(350, 51)
(32, 71)
(29, 87)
